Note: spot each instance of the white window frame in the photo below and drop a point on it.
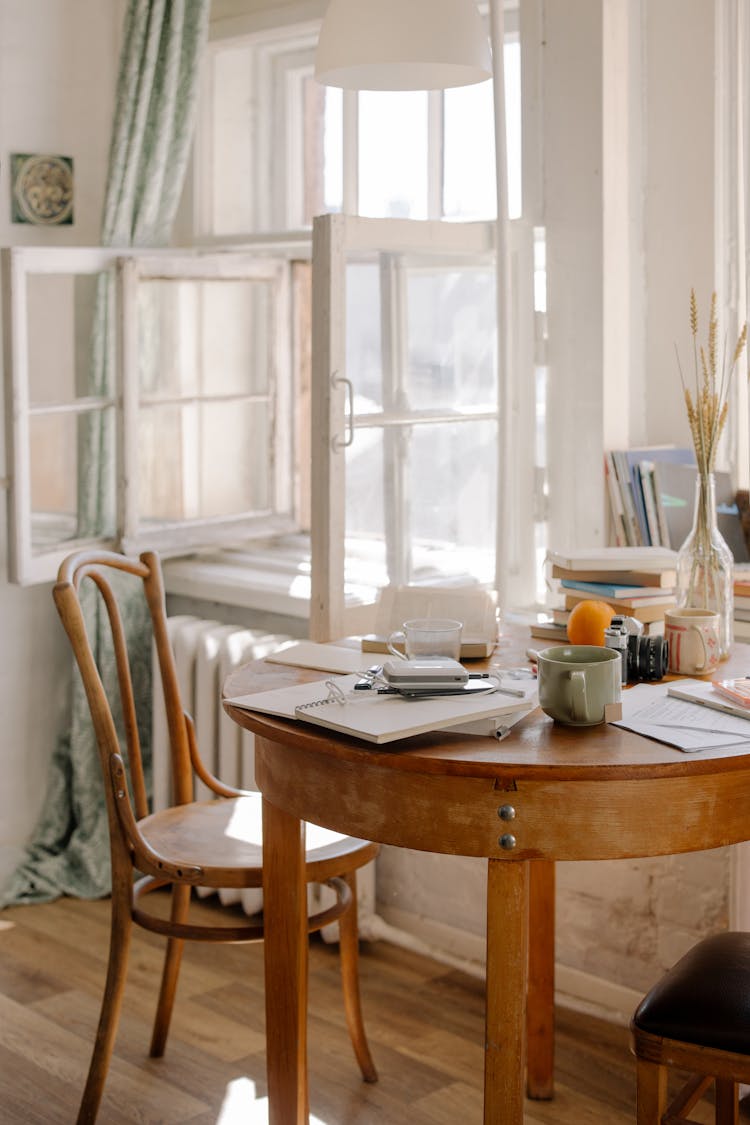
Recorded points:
(26, 565)
(337, 607)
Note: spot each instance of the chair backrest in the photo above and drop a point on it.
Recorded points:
(81, 623)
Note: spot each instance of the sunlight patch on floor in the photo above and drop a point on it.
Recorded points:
(241, 1107)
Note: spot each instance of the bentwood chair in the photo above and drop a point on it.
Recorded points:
(696, 1019)
(210, 844)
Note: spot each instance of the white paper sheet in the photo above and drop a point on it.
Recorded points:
(649, 711)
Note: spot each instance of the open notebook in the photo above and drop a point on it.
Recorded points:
(382, 718)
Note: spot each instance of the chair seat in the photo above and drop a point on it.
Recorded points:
(226, 835)
(705, 998)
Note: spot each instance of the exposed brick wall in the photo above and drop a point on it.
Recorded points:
(623, 920)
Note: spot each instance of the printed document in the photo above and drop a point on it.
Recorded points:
(648, 710)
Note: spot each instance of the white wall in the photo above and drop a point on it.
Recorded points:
(58, 67)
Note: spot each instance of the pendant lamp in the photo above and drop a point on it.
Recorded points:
(402, 45)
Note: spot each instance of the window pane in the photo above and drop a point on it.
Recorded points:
(58, 443)
(393, 154)
(452, 480)
(451, 338)
(469, 146)
(469, 153)
(333, 149)
(183, 457)
(364, 485)
(60, 309)
(324, 152)
(420, 337)
(204, 337)
(364, 359)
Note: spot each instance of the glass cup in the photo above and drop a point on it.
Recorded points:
(427, 637)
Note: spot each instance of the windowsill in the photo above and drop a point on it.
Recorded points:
(272, 576)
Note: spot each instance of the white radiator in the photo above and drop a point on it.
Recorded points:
(205, 653)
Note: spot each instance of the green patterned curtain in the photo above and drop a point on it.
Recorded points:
(153, 126)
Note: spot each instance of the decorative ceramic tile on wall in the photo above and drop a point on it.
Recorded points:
(42, 190)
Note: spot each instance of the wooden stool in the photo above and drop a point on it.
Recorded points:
(696, 1019)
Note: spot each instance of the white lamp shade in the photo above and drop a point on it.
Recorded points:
(402, 45)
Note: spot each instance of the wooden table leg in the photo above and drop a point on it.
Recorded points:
(540, 996)
(285, 953)
(507, 962)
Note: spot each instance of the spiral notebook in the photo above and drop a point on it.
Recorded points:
(381, 718)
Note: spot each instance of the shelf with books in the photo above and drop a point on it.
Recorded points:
(651, 499)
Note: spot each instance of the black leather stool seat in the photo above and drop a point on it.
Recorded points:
(705, 998)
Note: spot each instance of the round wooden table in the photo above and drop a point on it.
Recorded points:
(545, 793)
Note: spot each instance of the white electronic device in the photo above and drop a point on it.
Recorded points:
(426, 674)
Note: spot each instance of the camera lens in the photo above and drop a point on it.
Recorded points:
(648, 658)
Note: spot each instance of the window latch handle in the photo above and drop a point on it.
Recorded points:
(338, 443)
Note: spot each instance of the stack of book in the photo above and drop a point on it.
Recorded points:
(636, 582)
(742, 606)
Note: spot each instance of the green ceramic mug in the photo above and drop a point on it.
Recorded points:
(578, 682)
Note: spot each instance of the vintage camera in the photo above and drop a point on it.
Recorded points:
(643, 658)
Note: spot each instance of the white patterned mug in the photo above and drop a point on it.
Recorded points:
(693, 639)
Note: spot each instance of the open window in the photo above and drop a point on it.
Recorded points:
(150, 394)
(405, 408)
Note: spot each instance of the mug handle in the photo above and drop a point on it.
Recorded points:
(578, 702)
(399, 635)
(695, 629)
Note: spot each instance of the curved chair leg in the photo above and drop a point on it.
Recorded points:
(180, 906)
(349, 955)
(121, 925)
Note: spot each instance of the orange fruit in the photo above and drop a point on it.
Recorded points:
(587, 622)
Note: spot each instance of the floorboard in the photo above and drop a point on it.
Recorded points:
(425, 1023)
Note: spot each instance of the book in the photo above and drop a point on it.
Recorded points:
(625, 483)
(742, 631)
(614, 590)
(615, 558)
(651, 610)
(470, 649)
(702, 692)
(472, 605)
(549, 631)
(615, 502)
(322, 657)
(736, 690)
(741, 601)
(655, 516)
(644, 485)
(676, 486)
(666, 579)
(381, 718)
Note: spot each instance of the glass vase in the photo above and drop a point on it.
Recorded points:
(705, 565)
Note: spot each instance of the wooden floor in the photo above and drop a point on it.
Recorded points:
(425, 1024)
